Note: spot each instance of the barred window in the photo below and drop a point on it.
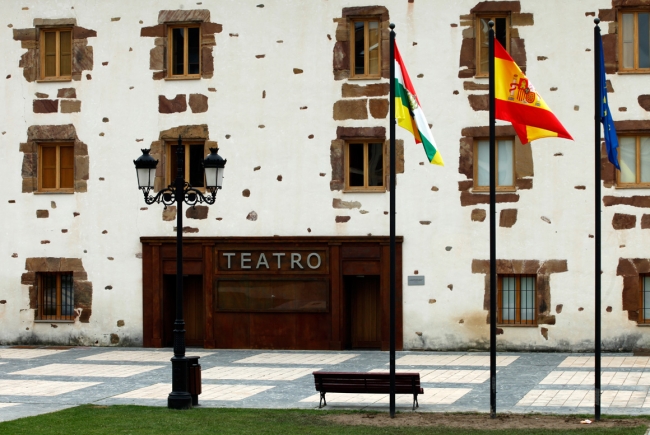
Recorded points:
(644, 311)
(55, 296)
(516, 300)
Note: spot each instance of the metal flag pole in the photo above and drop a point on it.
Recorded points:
(392, 220)
(493, 232)
(597, 120)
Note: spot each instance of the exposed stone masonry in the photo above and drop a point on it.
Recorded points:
(158, 54)
(53, 133)
(83, 289)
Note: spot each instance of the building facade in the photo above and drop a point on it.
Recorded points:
(294, 254)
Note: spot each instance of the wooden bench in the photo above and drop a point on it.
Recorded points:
(366, 383)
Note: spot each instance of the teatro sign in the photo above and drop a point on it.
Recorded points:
(297, 260)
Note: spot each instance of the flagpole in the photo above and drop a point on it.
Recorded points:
(392, 219)
(597, 120)
(493, 231)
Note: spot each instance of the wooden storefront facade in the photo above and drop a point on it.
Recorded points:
(273, 292)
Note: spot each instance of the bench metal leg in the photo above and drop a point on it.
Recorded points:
(322, 402)
(415, 402)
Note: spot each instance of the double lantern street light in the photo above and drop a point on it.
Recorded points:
(177, 193)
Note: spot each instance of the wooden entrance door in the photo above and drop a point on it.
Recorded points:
(364, 311)
(192, 310)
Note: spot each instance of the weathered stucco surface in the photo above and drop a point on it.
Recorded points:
(277, 98)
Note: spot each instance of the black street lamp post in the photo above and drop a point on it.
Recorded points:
(177, 193)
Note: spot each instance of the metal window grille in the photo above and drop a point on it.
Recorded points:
(517, 299)
(645, 299)
(56, 296)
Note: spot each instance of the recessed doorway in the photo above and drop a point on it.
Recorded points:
(364, 311)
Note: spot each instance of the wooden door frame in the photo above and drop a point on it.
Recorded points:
(347, 254)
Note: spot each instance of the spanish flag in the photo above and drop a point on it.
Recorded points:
(517, 101)
(409, 114)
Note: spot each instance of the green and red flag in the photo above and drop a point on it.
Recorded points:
(409, 113)
(517, 101)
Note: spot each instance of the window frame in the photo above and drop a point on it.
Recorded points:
(366, 20)
(641, 319)
(478, 188)
(638, 184)
(346, 166)
(478, 33)
(41, 45)
(517, 322)
(169, 176)
(58, 188)
(59, 303)
(634, 69)
(170, 52)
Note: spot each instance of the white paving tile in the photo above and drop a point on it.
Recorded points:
(10, 387)
(258, 373)
(447, 376)
(607, 361)
(298, 358)
(209, 392)
(28, 353)
(139, 356)
(453, 360)
(90, 370)
(606, 378)
(7, 405)
(585, 398)
(431, 396)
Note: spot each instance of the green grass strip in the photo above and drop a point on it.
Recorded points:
(141, 420)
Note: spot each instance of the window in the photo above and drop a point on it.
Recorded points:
(365, 48)
(634, 159)
(184, 52)
(505, 164)
(193, 164)
(516, 300)
(364, 166)
(644, 303)
(55, 296)
(634, 44)
(56, 167)
(502, 34)
(56, 54)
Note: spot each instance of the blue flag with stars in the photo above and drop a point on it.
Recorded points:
(611, 140)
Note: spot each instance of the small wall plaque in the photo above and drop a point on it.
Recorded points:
(416, 280)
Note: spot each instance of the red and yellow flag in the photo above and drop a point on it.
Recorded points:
(517, 101)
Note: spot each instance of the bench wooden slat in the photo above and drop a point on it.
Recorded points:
(366, 383)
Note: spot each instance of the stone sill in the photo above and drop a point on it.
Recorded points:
(365, 191)
(54, 192)
(53, 321)
(632, 72)
(510, 325)
(632, 187)
(183, 78)
(54, 80)
(644, 325)
(498, 190)
(366, 78)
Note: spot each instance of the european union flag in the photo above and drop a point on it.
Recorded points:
(611, 140)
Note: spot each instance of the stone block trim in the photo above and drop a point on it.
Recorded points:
(467, 61)
(187, 132)
(83, 289)
(53, 133)
(337, 152)
(631, 269)
(543, 269)
(524, 169)
(158, 54)
(341, 53)
(82, 53)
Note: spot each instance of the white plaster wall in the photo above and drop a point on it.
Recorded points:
(303, 198)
